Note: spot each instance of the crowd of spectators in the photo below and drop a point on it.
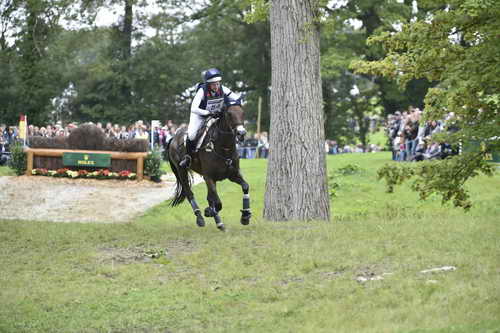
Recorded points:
(411, 139)
(256, 146)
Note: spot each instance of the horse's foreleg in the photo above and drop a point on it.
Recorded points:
(246, 213)
(214, 203)
(196, 210)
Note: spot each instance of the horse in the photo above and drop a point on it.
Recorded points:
(216, 159)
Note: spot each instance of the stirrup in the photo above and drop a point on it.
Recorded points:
(186, 162)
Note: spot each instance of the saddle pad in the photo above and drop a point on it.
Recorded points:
(201, 137)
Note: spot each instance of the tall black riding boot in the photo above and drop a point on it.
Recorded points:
(190, 149)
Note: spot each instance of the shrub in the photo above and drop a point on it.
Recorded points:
(86, 137)
(18, 158)
(335, 180)
(152, 165)
(48, 143)
(114, 144)
(349, 169)
(136, 145)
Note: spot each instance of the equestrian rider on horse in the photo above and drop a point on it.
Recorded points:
(211, 96)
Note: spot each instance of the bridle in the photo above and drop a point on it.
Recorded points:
(236, 130)
(223, 128)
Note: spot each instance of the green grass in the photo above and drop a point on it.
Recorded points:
(379, 138)
(265, 277)
(6, 171)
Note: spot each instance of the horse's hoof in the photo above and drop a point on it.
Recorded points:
(245, 217)
(221, 226)
(200, 221)
(208, 212)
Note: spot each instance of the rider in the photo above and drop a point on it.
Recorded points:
(211, 96)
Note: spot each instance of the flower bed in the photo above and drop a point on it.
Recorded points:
(99, 174)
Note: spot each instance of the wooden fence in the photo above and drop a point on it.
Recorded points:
(53, 159)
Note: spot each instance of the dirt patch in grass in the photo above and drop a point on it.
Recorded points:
(40, 198)
(124, 256)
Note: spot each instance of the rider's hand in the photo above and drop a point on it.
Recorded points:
(216, 114)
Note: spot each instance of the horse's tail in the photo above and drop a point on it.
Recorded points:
(166, 154)
(183, 184)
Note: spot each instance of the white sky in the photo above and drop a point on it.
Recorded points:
(108, 16)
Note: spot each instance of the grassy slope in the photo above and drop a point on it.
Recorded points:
(266, 277)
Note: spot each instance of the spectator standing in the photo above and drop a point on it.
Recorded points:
(251, 145)
(402, 147)
(334, 147)
(263, 145)
(156, 136)
(3, 149)
(4, 133)
(411, 133)
(141, 133)
(123, 134)
(131, 132)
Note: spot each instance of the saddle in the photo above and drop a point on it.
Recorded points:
(201, 134)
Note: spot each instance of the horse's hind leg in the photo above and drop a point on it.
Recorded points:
(200, 221)
(186, 187)
(246, 213)
(214, 203)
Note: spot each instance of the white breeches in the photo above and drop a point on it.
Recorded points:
(195, 122)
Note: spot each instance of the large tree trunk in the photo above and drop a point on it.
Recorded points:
(126, 49)
(127, 30)
(296, 186)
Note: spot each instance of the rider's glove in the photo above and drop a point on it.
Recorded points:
(216, 114)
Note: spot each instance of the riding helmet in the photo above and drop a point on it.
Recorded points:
(213, 75)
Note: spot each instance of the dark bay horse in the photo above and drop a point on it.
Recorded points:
(216, 159)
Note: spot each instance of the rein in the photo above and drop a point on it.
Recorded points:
(222, 132)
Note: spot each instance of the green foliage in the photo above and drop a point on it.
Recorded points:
(457, 47)
(344, 42)
(18, 158)
(336, 180)
(395, 174)
(152, 164)
(349, 169)
(333, 186)
(243, 53)
(259, 11)
(445, 178)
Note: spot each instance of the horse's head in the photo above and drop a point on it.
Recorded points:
(234, 118)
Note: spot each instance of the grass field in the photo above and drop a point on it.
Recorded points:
(265, 277)
(5, 171)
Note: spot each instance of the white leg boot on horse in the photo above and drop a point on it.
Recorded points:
(246, 213)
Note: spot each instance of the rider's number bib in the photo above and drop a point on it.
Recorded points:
(215, 105)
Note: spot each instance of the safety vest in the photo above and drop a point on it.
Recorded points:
(212, 103)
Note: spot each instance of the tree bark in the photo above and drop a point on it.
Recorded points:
(296, 187)
(126, 50)
(127, 30)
